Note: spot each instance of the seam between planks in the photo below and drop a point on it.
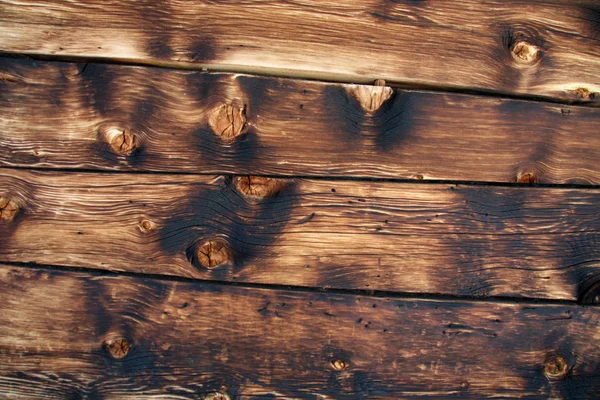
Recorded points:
(322, 77)
(302, 289)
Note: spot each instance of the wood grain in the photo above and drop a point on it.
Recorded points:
(73, 335)
(110, 117)
(541, 47)
(421, 238)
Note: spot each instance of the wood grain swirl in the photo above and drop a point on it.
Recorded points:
(118, 118)
(419, 238)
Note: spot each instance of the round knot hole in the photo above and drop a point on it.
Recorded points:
(8, 209)
(146, 225)
(213, 253)
(117, 348)
(121, 141)
(228, 121)
(257, 186)
(340, 365)
(525, 52)
(556, 368)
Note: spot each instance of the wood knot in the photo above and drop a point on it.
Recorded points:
(146, 226)
(525, 53)
(529, 178)
(339, 365)
(257, 186)
(228, 121)
(213, 253)
(117, 348)
(217, 396)
(585, 94)
(556, 368)
(371, 98)
(121, 141)
(8, 209)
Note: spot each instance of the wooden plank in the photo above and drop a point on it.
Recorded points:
(456, 240)
(73, 335)
(74, 116)
(542, 47)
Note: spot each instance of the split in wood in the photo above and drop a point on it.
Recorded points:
(371, 98)
(556, 368)
(213, 253)
(8, 209)
(228, 121)
(257, 186)
(117, 348)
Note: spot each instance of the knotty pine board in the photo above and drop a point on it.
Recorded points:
(120, 118)
(538, 47)
(467, 240)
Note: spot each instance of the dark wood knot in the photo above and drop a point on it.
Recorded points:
(122, 142)
(371, 97)
(228, 121)
(8, 208)
(556, 368)
(339, 365)
(590, 294)
(528, 177)
(117, 348)
(257, 186)
(213, 253)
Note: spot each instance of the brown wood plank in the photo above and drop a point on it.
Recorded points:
(74, 335)
(457, 240)
(540, 47)
(62, 115)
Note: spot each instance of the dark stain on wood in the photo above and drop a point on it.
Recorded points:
(252, 223)
(220, 344)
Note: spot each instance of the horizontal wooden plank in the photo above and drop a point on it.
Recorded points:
(428, 238)
(71, 335)
(110, 117)
(541, 47)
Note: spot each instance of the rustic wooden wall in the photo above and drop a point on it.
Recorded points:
(309, 199)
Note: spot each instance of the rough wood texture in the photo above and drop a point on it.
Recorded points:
(541, 47)
(458, 240)
(70, 335)
(111, 117)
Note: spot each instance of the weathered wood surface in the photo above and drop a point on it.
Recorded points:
(74, 335)
(541, 47)
(428, 238)
(111, 117)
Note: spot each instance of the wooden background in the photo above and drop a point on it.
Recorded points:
(308, 199)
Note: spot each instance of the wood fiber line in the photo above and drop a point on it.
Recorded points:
(74, 335)
(419, 238)
(110, 117)
(540, 47)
